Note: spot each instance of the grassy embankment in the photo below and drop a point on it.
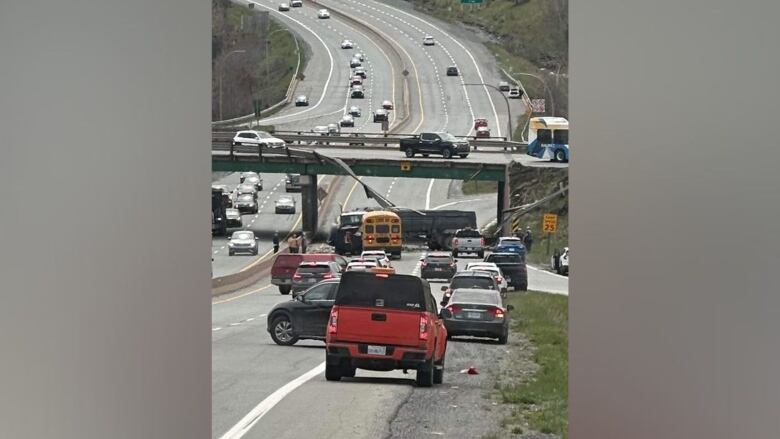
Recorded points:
(538, 403)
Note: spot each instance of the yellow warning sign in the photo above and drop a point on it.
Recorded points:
(550, 224)
(406, 166)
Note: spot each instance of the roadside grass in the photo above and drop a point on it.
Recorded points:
(542, 400)
(473, 187)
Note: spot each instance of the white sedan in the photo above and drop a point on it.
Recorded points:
(251, 137)
(361, 266)
(346, 44)
(323, 13)
(428, 41)
(380, 255)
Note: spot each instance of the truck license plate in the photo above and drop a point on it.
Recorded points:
(377, 350)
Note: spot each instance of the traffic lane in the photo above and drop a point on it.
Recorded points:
(451, 45)
(540, 279)
(336, 32)
(323, 72)
(436, 113)
(263, 224)
(437, 57)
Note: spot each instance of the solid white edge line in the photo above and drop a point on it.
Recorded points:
(428, 195)
(247, 422)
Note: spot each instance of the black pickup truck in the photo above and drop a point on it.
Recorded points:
(513, 267)
(444, 144)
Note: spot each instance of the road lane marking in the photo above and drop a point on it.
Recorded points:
(247, 422)
(215, 329)
(474, 200)
(428, 195)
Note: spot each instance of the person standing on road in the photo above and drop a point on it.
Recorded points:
(302, 242)
(292, 244)
(276, 242)
(528, 239)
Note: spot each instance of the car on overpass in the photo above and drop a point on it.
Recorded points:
(452, 71)
(387, 105)
(233, 217)
(347, 44)
(296, 3)
(304, 317)
(333, 128)
(480, 122)
(380, 115)
(253, 137)
(428, 40)
(440, 143)
(283, 7)
(246, 203)
(477, 312)
(301, 101)
(284, 204)
(347, 121)
(242, 241)
(323, 13)
(355, 111)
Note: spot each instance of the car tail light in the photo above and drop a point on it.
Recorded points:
(395, 239)
(455, 241)
(296, 276)
(370, 238)
(454, 309)
(497, 312)
(500, 279)
(424, 264)
(482, 242)
(328, 276)
(334, 320)
(423, 326)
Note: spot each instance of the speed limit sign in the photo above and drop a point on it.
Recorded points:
(550, 223)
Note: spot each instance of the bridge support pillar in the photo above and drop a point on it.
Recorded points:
(504, 202)
(309, 203)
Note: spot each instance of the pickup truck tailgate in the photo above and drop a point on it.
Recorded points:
(382, 326)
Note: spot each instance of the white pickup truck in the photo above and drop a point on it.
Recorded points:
(468, 241)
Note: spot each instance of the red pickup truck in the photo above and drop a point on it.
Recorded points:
(385, 322)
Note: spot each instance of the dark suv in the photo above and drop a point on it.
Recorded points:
(304, 317)
(438, 266)
(441, 143)
(481, 280)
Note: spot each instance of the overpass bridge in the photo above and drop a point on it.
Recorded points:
(338, 157)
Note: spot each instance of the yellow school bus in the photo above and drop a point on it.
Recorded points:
(381, 230)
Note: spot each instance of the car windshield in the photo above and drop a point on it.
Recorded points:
(352, 220)
(471, 282)
(511, 241)
(468, 234)
(243, 235)
(447, 136)
(477, 297)
(285, 200)
(505, 259)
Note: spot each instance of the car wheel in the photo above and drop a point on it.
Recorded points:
(560, 155)
(409, 152)
(455, 253)
(503, 338)
(333, 372)
(282, 331)
(284, 289)
(481, 255)
(425, 155)
(438, 372)
(463, 156)
(447, 153)
(230, 253)
(425, 374)
(524, 287)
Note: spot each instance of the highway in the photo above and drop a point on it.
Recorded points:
(263, 390)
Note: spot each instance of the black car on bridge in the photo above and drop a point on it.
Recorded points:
(304, 317)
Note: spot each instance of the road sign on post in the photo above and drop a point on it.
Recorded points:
(550, 223)
(516, 224)
(406, 166)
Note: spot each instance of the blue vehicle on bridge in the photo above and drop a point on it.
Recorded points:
(548, 138)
